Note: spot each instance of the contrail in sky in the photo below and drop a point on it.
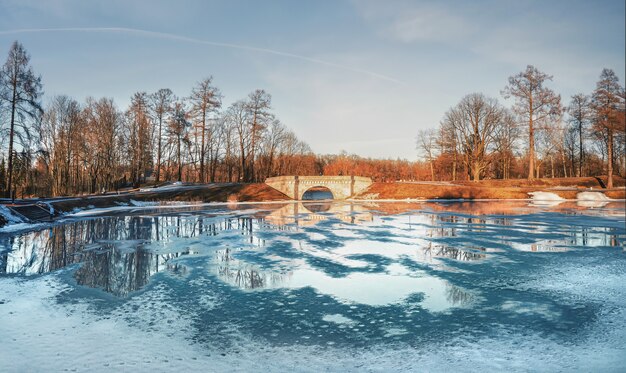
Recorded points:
(163, 35)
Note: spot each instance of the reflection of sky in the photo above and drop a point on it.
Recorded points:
(373, 289)
(350, 252)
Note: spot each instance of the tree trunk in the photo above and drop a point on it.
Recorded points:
(158, 165)
(476, 172)
(609, 183)
(432, 171)
(454, 167)
(580, 149)
(180, 165)
(531, 149)
(11, 134)
(202, 145)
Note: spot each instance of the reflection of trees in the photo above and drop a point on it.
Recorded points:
(119, 272)
(112, 249)
(243, 275)
(450, 252)
(457, 296)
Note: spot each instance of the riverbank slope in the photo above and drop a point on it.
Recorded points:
(566, 188)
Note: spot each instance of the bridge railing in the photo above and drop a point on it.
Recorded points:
(320, 178)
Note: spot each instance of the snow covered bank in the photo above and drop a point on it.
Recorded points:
(8, 216)
(592, 196)
(545, 196)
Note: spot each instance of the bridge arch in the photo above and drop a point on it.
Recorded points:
(341, 187)
(316, 193)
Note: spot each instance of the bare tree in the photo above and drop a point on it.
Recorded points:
(139, 129)
(205, 99)
(475, 120)
(178, 128)
(20, 88)
(58, 133)
(534, 103)
(579, 117)
(100, 141)
(505, 139)
(237, 117)
(426, 142)
(275, 136)
(447, 143)
(258, 105)
(608, 107)
(161, 106)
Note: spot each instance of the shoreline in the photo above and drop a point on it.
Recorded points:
(159, 205)
(225, 194)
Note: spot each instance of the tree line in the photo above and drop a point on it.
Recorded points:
(69, 147)
(537, 137)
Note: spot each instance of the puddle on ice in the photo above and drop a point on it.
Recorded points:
(320, 286)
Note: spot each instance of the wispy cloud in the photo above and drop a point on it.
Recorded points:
(174, 37)
(411, 21)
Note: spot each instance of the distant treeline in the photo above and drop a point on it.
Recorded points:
(537, 137)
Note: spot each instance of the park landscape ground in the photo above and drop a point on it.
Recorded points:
(513, 189)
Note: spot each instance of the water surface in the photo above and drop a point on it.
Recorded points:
(320, 285)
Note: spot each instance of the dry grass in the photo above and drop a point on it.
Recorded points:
(491, 189)
(233, 192)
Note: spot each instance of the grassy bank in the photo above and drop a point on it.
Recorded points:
(566, 188)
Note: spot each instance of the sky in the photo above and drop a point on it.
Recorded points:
(361, 76)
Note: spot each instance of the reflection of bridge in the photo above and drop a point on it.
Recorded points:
(341, 187)
(309, 213)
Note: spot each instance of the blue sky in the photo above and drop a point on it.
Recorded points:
(361, 76)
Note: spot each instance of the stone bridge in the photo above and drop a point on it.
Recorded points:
(341, 187)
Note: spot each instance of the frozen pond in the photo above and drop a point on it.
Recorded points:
(319, 286)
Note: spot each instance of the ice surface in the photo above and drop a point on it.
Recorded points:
(211, 289)
(9, 216)
(143, 203)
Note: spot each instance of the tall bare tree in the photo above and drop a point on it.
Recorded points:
(100, 146)
(427, 143)
(58, 137)
(178, 133)
(139, 130)
(161, 107)
(607, 103)
(579, 117)
(20, 88)
(205, 99)
(258, 105)
(505, 140)
(534, 103)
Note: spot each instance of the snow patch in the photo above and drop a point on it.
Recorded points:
(592, 196)
(545, 199)
(17, 227)
(8, 215)
(545, 196)
(142, 203)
